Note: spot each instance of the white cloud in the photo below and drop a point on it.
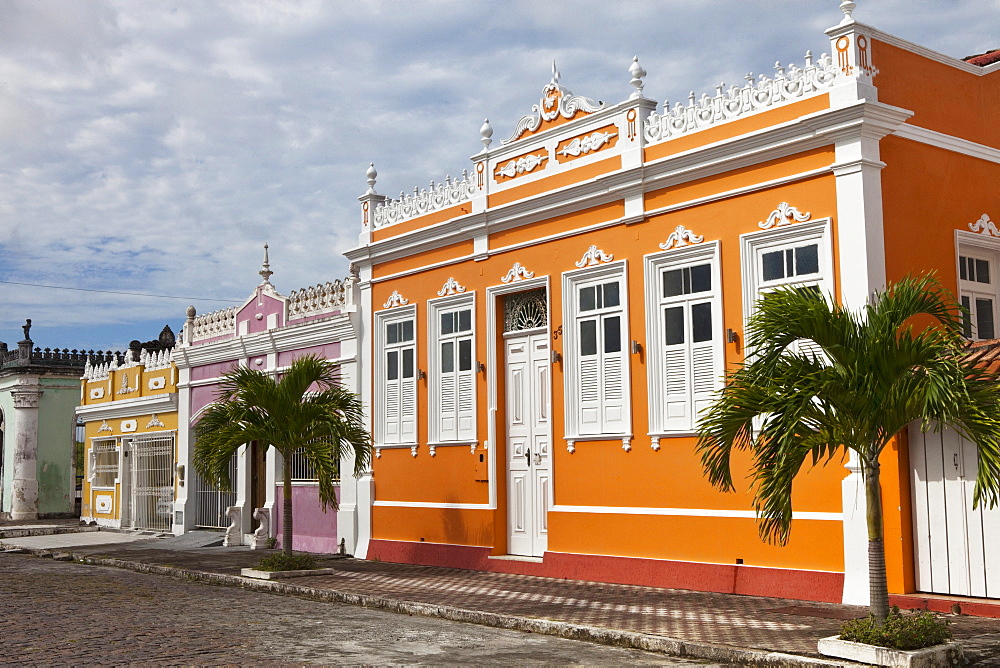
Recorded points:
(154, 147)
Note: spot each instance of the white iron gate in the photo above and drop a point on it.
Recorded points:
(151, 482)
(211, 503)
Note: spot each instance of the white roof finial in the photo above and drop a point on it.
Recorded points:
(265, 271)
(637, 74)
(848, 8)
(555, 73)
(486, 134)
(370, 174)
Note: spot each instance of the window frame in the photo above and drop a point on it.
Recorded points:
(981, 247)
(572, 281)
(754, 244)
(383, 318)
(435, 308)
(655, 265)
(116, 442)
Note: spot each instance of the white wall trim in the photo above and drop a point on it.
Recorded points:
(948, 142)
(433, 504)
(690, 512)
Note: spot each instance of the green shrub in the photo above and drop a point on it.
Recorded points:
(283, 562)
(911, 631)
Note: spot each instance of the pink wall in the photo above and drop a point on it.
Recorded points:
(202, 396)
(314, 530)
(327, 351)
(211, 370)
(263, 305)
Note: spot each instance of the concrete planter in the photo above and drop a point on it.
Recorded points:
(948, 654)
(281, 575)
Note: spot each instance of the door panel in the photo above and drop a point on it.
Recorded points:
(528, 453)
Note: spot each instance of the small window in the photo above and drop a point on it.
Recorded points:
(452, 385)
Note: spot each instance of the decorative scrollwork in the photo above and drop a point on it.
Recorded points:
(680, 237)
(525, 310)
(786, 86)
(593, 256)
(587, 144)
(154, 422)
(517, 273)
(525, 163)
(557, 100)
(450, 287)
(784, 215)
(985, 226)
(320, 298)
(395, 299)
(216, 323)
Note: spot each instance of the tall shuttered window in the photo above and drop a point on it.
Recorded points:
(796, 255)
(684, 341)
(396, 373)
(596, 352)
(977, 286)
(453, 364)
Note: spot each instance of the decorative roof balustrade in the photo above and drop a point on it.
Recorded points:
(320, 298)
(788, 85)
(422, 201)
(216, 323)
(156, 359)
(53, 357)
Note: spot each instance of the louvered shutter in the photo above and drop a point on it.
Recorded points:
(677, 395)
(613, 386)
(466, 408)
(391, 397)
(408, 410)
(705, 377)
(590, 383)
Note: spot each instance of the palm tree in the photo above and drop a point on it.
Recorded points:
(898, 360)
(306, 410)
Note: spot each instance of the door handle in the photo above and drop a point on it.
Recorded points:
(955, 460)
(527, 456)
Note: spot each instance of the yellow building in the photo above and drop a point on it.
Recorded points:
(129, 412)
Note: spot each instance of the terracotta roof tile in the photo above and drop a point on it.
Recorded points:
(984, 59)
(985, 354)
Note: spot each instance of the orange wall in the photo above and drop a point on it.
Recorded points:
(943, 98)
(602, 473)
(920, 223)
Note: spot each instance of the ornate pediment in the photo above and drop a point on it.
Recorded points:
(557, 102)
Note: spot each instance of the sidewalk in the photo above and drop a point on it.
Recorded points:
(718, 627)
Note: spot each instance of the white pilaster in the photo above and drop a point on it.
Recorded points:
(24, 488)
(185, 501)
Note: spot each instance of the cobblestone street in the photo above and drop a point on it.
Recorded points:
(57, 613)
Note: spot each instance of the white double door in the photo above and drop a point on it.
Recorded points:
(957, 547)
(529, 461)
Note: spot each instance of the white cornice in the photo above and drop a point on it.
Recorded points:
(823, 128)
(157, 403)
(318, 332)
(948, 142)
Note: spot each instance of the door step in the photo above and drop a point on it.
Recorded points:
(516, 557)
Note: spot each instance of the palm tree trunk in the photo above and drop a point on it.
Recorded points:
(286, 520)
(878, 587)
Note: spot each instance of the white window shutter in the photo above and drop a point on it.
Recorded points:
(466, 408)
(392, 411)
(590, 392)
(614, 393)
(408, 410)
(447, 426)
(676, 392)
(705, 377)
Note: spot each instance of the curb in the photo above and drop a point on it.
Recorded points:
(44, 531)
(605, 636)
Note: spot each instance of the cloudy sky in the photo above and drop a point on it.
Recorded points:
(153, 147)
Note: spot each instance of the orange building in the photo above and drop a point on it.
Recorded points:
(544, 330)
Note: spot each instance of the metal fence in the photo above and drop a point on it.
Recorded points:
(211, 503)
(152, 483)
